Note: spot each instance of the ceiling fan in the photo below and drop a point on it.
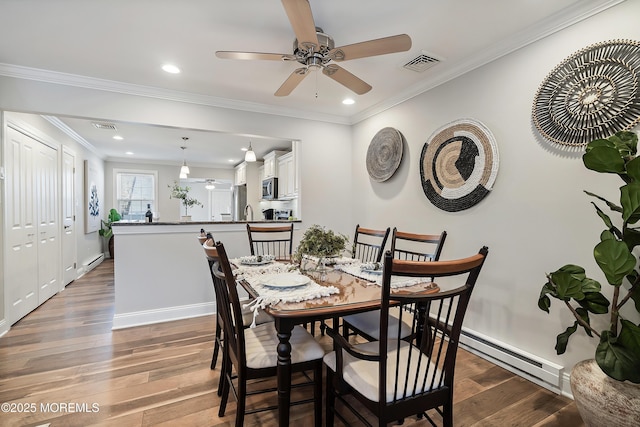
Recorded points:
(315, 50)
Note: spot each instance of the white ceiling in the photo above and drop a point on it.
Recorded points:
(121, 45)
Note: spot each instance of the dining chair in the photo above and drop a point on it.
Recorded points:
(397, 377)
(405, 246)
(247, 315)
(368, 244)
(276, 241)
(252, 352)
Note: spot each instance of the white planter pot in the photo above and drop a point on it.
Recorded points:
(603, 401)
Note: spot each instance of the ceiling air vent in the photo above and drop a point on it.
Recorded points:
(105, 126)
(422, 62)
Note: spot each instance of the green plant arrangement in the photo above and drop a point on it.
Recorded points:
(618, 350)
(321, 243)
(182, 193)
(105, 228)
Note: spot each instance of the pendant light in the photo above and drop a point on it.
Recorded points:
(250, 156)
(210, 184)
(184, 170)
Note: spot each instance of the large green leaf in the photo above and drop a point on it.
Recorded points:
(631, 238)
(563, 339)
(626, 142)
(599, 143)
(616, 360)
(584, 315)
(614, 259)
(567, 285)
(612, 206)
(575, 270)
(595, 302)
(633, 168)
(630, 201)
(604, 159)
(543, 301)
(630, 338)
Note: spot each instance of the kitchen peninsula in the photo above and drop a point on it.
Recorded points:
(161, 272)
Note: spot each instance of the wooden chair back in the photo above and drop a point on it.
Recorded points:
(368, 244)
(276, 241)
(417, 247)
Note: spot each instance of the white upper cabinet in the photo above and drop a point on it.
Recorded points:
(287, 187)
(241, 173)
(271, 163)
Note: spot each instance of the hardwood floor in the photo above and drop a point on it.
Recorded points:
(62, 365)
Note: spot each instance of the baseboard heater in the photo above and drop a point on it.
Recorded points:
(88, 266)
(533, 368)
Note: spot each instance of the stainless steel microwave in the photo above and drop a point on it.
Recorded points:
(270, 189)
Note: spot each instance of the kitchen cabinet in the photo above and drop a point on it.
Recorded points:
(271, 163)
(287, 187)
(241, 174)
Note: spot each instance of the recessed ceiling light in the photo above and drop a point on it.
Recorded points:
(231, 161)
(129, 153)
(118, 137)
(348, 101)
(171, 69)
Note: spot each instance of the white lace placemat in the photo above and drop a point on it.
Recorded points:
(355, 269)
(270, 296)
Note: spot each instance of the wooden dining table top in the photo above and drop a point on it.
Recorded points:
(354, 295)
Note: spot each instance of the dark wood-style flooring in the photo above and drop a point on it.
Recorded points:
(62, 365)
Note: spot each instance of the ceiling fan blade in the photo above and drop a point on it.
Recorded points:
(292, 81)
(383, 46)
(301, 19)
(224, 54)
(346, 79)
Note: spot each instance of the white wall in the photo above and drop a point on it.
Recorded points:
(535, 220)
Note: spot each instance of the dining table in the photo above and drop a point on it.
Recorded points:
(347, 288)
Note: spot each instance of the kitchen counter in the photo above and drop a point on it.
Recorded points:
(161, 272)
(260, 221)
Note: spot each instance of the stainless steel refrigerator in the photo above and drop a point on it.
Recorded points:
(239, 198)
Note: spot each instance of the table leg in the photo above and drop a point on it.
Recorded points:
(284, 329)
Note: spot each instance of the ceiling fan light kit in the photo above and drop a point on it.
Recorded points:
(315, 50)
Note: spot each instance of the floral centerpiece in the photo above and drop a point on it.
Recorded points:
(182, 193)
(320, 243)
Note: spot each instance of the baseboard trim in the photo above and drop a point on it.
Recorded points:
(147, 317)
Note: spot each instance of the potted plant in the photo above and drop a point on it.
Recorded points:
(320, 243)
(618, 352)
(106, 231)
(182, 193)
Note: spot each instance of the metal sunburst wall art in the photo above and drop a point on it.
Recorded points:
(592, 94)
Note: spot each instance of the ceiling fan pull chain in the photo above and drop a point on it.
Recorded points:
(316, 73)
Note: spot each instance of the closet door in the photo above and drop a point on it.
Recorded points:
(32, 269)
(21, 275)
(47, 192)
(68, 239)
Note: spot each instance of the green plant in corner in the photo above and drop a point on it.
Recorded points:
(182, 193)
(618, 350)
(105, 228)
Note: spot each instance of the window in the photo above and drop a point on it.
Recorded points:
(134, 191)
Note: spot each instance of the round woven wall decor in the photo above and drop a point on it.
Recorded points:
(591, 95)
(458, 165)
(384, 154)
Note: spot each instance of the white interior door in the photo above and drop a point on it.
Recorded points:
(48, 222)
(69, 248)
(21, 273)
